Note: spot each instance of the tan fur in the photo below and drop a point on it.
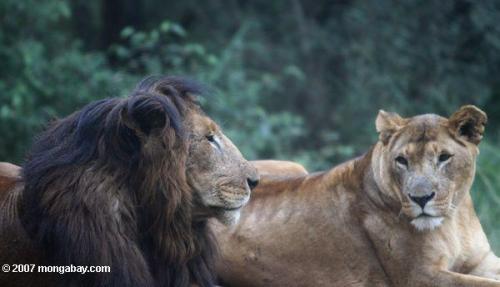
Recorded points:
(352, 225)
(273, 169)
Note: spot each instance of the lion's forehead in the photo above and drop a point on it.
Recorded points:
(202, 124)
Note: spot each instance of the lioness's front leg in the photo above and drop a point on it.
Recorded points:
(445, 278)
(458, 279)
(488, 268)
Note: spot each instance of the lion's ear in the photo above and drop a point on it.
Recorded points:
(387, 124)
(468, 123)
(146, 114)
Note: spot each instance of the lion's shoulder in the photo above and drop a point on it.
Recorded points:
(9, 175)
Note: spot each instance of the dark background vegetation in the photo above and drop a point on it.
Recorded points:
(297, 80)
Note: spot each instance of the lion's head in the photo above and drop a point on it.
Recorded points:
(216, 172)
(426, 163)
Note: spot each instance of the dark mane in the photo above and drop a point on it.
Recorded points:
(106, 186)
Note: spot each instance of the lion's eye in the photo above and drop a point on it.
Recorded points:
(444, 157)
(213, 141)
(401, 160)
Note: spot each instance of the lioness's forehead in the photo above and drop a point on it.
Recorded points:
(423, 128)
(422, 133)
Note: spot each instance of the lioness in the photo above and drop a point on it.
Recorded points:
(400, 215)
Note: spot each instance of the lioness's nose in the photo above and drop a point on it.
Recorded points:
(252, 182)
(422, 200)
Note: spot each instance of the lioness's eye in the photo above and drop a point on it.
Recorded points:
(444, 157)
(402, 160)
(210, 138)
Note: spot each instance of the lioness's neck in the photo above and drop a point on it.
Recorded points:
(374, 186)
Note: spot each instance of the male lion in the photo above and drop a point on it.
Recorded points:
(400, 215)
(127, 183)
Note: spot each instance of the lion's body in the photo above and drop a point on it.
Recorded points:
(127, 183)
(9, 174)
(16, 247)
(338, 228)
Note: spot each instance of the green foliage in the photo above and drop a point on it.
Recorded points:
(236, 103)
(159, 50)
(485, 192)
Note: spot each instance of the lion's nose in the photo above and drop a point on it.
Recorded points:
(422, 200)
(252, 182)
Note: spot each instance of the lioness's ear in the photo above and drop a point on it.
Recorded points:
(387, 124)
(468, 123)
(145, 114)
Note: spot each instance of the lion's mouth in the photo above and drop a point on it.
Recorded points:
(425, 215)
(224, 208)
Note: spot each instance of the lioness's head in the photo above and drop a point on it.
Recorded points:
(427, 162)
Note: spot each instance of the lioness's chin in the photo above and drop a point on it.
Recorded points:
(228, 217)
(424, 223)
